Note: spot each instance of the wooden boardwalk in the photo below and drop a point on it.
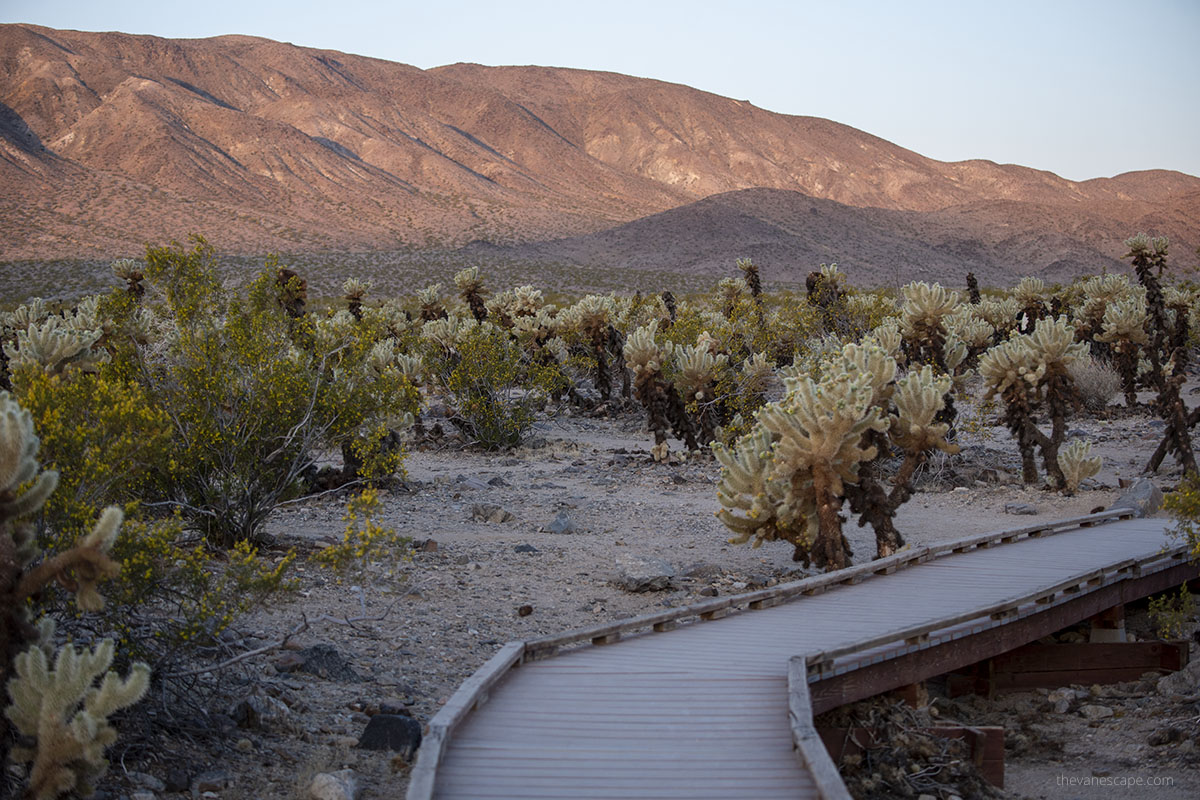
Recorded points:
(664, 707)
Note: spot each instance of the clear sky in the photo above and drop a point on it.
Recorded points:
(1084, 88)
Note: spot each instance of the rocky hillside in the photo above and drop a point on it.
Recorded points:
(111, 140)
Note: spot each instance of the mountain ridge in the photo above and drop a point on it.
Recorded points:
(110, 140)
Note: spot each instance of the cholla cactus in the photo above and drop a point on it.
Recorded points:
(1031, 372)
(1012, 371)
(753, 281)
(67, 715)
(1029, 296)
(887, 336)
(592, 317)
(974, 332)
(1001, 315)
(513, 304)
(354, 291)
(923, 322)
(665, 409)
(827, 294)
(732, 291)
(430, 302)
(698, 372)
(56, 346)
(65, 747)
(973, 295)
(1077, 464)
(1165, 355)
(131, 272)
(470, 287)
(911, 406)
(793, 490)
(1123, 328)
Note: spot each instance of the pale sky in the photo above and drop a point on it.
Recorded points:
(1083, 88)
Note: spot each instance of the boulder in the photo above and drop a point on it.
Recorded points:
(393, 732)
(1143, 498)
(340, 785)
(643, 573)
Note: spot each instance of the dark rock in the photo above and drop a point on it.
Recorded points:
(1020, 508)
(177, 780)
(325, 661)
(1168, 735)
(392, 732)
(1143, 498)
(709, 591)
(561, 523)
(525, 548)
(525, 610)
(497, 481)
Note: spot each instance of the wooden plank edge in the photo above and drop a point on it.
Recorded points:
(774, 595)
(807, 743)
(475, 688)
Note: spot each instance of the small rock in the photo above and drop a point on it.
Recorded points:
(643, 573)
(1166, 736)
(561, 524)
(1094, 712)
(324, 661)
(1020, 509)
(392, 732)
(263, 713)
(147, 781)
(487, 512)
(1143, 498)
(497, 481)
(178, 780)
(709, 591)
(702, 569)
(1184, 682)
(525, 610)
(340, 785)
(525, 548)
(211, 781)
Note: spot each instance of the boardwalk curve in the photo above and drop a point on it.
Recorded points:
(660, 706)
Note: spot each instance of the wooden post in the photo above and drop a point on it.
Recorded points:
(1108, 626)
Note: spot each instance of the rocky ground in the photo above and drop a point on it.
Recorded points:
(520, 544)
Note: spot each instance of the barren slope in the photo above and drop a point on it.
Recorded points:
(111, 140)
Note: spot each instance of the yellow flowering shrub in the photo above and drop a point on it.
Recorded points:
(491, 388)
(364, 539)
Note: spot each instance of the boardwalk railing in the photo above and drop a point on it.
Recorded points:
(804, 668)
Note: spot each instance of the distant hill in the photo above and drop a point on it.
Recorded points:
(109, 140)
(788, 233)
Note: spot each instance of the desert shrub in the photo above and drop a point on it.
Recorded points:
(254, 391)
(492, 389)
(1096, 382)
(1173, 616)
(364, 539)
(102, 434)
(1184, 505)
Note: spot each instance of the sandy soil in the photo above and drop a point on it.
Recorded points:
(413, 631)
